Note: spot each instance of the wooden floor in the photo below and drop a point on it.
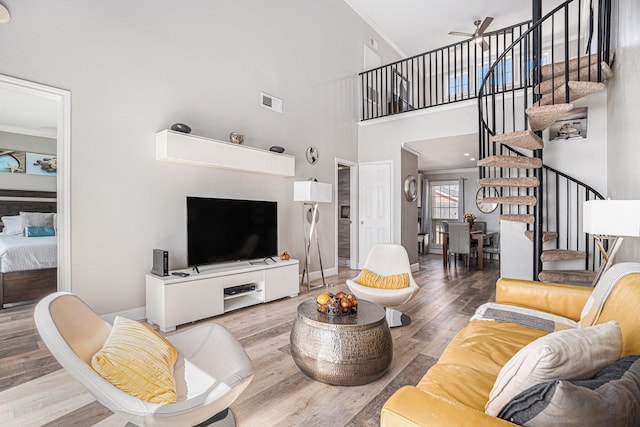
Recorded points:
(35, 391)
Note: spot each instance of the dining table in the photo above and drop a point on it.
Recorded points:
(479, 236)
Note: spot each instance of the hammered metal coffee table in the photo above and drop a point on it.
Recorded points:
(342, 350)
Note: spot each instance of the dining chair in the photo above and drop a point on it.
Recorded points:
(493, 248)
(479, 226)
(460, 242)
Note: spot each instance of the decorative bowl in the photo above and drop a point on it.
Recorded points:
(236, 138)
(181, 127)
(340, 304)
(277, 149)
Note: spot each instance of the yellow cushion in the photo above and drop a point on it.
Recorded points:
(372, 280)
(138, 361)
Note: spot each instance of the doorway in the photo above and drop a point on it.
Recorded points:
(32, 96)
(346, 210)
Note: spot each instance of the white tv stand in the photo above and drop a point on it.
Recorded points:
(174, 300)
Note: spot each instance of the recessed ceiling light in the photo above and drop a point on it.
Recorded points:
(466, 154)
(472, 159)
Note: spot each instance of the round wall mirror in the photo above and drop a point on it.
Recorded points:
(313, 155)
(411, 188)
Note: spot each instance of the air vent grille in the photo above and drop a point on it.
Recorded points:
(271, 102)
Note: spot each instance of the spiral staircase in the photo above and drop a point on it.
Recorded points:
(511, 144)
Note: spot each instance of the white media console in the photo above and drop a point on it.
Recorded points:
(174, 300)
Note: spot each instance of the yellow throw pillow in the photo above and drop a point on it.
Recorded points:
(372, 280)
(138, 361)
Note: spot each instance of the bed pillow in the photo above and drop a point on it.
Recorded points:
(608, 399)
(12, 225)
(38, 219)
(138, 361)
(571, 354)
(39, 231)
(372, 280)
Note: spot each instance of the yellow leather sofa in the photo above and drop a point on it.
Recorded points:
(454, 392)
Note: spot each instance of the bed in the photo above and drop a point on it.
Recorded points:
(28, 265)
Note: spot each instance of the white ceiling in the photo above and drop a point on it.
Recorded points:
(26, 113)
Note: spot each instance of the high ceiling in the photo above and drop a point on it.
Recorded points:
(417, 26)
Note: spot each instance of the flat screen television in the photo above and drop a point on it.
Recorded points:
(221, 230)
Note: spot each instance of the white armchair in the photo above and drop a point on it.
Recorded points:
(385, 260)
(211, 371)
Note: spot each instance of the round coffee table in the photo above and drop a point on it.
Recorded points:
(342, 350)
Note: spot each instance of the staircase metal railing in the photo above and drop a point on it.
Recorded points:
(441, 76)
(566, 32)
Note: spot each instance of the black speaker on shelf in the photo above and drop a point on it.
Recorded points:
(160, 262)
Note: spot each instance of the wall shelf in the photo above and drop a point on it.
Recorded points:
(185, 148)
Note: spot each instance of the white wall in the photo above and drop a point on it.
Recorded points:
(409, 217)
(134, 68)
(623, 151)
(32, 144)
(382, 139)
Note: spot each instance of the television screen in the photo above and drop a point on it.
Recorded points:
(221, 230)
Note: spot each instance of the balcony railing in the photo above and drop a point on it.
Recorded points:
(442, 76)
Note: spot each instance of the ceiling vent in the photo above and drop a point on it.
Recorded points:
(373, 43)
(271, 102)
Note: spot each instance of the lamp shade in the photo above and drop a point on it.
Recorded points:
(612, 217)
(311, 191)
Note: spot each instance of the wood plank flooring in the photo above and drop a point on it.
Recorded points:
(35, 391)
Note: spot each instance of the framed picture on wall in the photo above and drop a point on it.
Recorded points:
(572, 125)
(344, 211)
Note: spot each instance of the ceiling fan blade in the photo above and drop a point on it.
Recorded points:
(458, 33)
(481, 29)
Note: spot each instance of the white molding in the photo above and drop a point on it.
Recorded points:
(28, 131)
(446, 171)
(317, 275)
(139, 313)
(405, 146)
(367, 19)
(63, 146)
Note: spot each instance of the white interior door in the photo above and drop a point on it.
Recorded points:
(374, 207)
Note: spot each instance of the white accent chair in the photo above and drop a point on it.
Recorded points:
(211, 371)
(386, 259)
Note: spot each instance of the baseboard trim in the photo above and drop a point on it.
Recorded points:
(139, 313)
(316, 275)
(415, 267)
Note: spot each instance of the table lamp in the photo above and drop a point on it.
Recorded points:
(611, 219)
(310, 193)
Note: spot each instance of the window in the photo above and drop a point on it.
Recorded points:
(444, 206)
(459, 85)
(503, 73)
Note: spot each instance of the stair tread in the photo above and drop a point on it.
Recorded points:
(561, 255)
(523, 138)
(528, 182)
(512, 200)
(577, 90)
(511, 162)
(543, 116)
(562, 276)
(559, 68)
(547, 236)
(587, 74)
(525, 218)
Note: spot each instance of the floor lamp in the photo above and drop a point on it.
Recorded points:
(611, 220)
(310, 193)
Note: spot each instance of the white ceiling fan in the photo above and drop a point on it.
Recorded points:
(481, 27)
